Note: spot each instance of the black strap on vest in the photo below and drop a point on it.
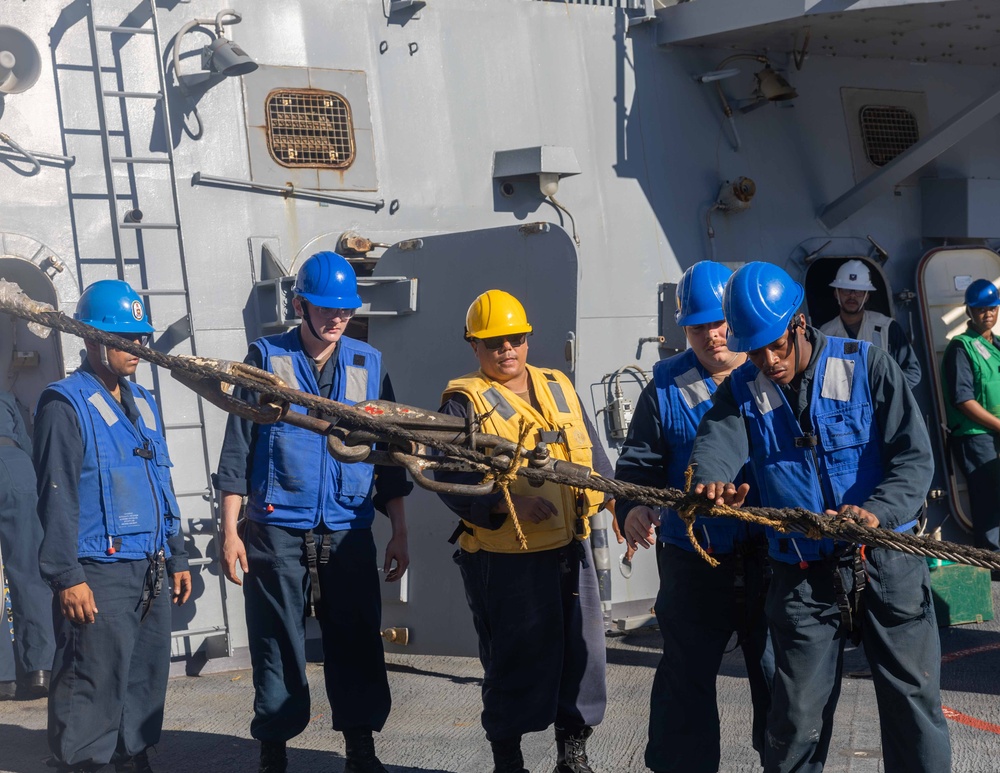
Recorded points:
(315, 559)
(153, 582)
(850, 601)
(459, 531)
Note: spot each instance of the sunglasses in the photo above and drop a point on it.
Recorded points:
(136, 338)
(497, 342)
(329, 312)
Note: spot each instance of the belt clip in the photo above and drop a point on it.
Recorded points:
(808, 440)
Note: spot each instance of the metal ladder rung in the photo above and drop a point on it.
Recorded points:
(192, 562)
(146, 291)
(126, 30)
(82, 132)
(141, 226)
(197, 631)
(133, 94)
(140, 160)
(185, 425)
(197, 493)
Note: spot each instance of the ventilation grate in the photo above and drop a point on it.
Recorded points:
(309, 128)
(887, 131)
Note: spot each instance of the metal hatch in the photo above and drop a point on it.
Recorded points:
(422, 350)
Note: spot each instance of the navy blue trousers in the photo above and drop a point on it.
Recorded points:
(901, 642)
(698, 611)
(541, 639)
(276, 590)
(978, 456)
(109, 679)
(30, 596)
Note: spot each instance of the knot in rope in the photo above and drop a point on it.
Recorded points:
(504, 478)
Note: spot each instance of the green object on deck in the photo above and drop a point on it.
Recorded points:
(962, 594)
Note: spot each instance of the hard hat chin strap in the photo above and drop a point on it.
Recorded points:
(308, 318)
(103, 352)
(794, 330)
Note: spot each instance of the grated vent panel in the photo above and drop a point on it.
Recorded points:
(887, 131)
(309, 128)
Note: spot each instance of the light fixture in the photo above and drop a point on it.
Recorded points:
(20, 62)
(545, 163)
(220, 57)
(226, 58)
(773, 87)
(548, 183)
(770, 87)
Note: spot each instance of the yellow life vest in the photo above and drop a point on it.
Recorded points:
(560, 418)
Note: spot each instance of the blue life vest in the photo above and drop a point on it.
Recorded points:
(684, 391)
(294, 482)
(839, 463)
(126, 500)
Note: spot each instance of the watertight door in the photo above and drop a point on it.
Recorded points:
(942, 276)
(422, 350)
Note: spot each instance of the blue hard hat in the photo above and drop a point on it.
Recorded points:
(327, 279)
(113, 305)
(760, 300)
(699, 294)
(982, 294)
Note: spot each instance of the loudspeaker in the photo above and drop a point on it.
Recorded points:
(20, 62)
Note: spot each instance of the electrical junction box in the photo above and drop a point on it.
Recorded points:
(962, 594)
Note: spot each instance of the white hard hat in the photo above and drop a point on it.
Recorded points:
(853, 275)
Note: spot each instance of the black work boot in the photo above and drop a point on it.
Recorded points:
(272, 757)
(361, 753)
(571, 748)
(507, 756)
(137, 764)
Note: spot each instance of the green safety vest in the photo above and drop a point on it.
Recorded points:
(985, 360)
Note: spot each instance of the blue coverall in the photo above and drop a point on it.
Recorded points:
(698, 606)
(899, 630)
(539, 621)
(278, 587)
(109, 678)
(20, 538)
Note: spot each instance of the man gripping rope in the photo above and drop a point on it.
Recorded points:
(698, 606)
(829, 425)
(537, 610)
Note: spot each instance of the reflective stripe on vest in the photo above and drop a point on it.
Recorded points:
(558, 411)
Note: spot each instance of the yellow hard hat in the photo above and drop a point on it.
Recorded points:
(495, 313)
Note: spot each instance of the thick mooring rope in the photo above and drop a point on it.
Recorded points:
(788, 520)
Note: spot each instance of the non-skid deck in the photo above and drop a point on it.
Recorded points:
(434, 726)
